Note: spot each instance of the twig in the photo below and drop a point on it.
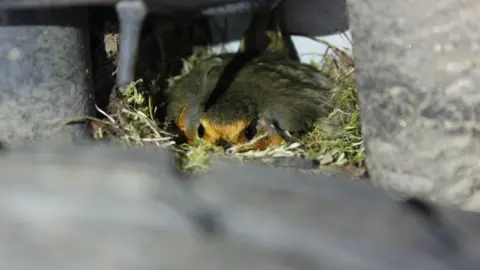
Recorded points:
(105, 114)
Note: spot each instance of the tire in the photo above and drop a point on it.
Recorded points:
(45, 74)
(99, 207)
(418, 77)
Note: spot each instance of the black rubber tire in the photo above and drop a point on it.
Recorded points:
(418, 76)
(45, 74)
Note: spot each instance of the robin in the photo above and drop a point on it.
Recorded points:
(269, 99)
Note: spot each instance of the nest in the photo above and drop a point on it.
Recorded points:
(131, 118)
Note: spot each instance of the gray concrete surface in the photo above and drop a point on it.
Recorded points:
(45, 75)
(418, 76)
(105, 208)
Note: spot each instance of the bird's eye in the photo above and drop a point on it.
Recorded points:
(200, 131)
(251, 131)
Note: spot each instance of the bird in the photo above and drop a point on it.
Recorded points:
(270, 100)
(258, 97)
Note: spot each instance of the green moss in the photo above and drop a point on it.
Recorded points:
(337, 139)
(195, 158)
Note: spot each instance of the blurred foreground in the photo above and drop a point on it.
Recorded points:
(98, 207)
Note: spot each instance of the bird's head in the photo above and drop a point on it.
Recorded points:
(239, 135)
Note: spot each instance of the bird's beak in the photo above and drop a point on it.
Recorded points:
(223, 143)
